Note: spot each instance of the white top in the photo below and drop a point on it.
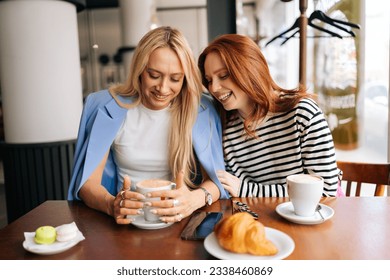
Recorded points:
(141, 146)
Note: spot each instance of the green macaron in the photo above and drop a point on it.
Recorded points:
(45, 235)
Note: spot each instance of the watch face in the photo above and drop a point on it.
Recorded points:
(209, 200)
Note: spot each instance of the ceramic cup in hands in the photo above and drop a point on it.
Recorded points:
(305, 191)
(152, 185)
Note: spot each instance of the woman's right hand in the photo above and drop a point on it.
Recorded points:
(127, 202)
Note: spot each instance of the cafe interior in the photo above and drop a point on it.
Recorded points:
(54, 53)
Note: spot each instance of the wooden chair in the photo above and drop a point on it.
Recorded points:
(359, 172)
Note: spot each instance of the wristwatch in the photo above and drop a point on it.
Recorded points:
(208, 197)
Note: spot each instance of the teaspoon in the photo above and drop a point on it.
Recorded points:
(319, 212)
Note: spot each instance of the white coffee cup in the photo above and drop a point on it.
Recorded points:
(152, 185)
(305, 191)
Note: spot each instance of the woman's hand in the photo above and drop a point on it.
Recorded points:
(178, 203)
(230, 182)
(126, 203)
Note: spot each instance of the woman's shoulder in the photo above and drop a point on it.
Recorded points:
(308, 106)
(207, 101)
(101, 98)
(98, 97)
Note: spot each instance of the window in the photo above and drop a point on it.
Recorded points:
(372, 99)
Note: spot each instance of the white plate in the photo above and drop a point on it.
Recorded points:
(140, 222)
(286, 210)
(49, 249)
(282, 241)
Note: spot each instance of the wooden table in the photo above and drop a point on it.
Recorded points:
(358, 230)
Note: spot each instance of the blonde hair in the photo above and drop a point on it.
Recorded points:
(184, 107)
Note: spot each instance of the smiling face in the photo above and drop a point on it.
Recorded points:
(162, 79)
(223, 88)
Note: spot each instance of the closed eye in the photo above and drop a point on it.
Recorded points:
(155, 77)
(153, 74)
(224, 77)
(176, 78)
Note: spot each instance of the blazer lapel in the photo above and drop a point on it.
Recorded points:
(104, 129)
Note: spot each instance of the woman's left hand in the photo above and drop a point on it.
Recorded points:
(178, 203)
(230, 182)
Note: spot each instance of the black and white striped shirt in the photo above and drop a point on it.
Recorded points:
(298, 141)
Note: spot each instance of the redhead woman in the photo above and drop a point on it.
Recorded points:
(269, 132)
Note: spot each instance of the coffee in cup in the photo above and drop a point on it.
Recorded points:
(152, 185)
(305, 191)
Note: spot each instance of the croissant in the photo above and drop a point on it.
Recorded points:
(240, 233)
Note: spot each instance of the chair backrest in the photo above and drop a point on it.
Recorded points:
(359, 172)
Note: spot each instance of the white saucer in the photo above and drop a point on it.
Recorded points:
(140, 222)
(49, 249)
(282, 241)
(286, 210)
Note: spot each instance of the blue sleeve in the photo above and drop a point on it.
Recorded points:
(97, 129)
(79, 155)
(207, 140)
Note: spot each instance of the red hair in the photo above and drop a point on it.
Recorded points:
(248, 68)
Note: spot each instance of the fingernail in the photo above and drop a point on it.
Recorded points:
(153, 211)
(148, 195)
(147, 204)
(140, 212)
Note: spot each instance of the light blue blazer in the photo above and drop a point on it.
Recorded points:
(100, 121)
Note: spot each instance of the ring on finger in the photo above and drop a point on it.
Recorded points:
(176, 202)
(121, 203)
(121, 194)
(180, 217)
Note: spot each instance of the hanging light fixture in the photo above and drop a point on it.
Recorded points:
(242, 22)
(154, 21)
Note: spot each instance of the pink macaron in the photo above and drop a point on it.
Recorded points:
(66, 232)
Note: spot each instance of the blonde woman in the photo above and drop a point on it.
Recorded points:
(155, 125)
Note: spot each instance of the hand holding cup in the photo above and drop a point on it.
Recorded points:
(126, 202)
(146, 187)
